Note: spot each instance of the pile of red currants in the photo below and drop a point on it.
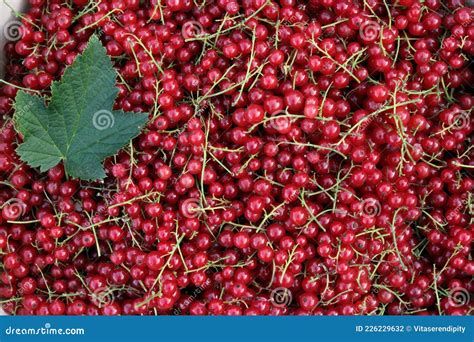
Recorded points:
(301, 158)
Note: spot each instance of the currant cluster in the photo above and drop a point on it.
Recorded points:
(301, 158)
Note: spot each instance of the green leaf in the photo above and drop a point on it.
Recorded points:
(79, 126)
